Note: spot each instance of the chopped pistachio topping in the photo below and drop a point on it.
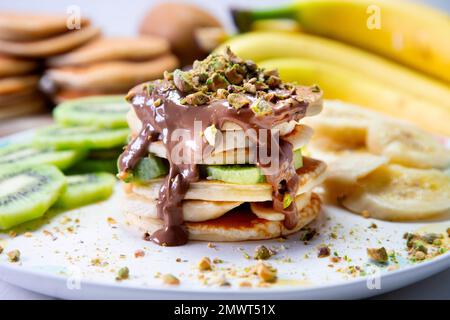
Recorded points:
(378, 254)
(204, 264)
(1, 249)
(196, 99)
(238, 100)
(431, 237)
(170, 279)
(220, 75)
(14, 255)
(266, 273)
(123, 274)
(261, 107)
(262, 253)
(287, 200)
(324, 251)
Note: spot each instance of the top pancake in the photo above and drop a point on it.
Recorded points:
(110, 49)
(28, 27)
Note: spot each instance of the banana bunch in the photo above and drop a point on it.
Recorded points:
(348, 85)
(409, 33)
(389, 170)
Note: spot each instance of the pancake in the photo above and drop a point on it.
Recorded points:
(10, 66)
(111, 49)
(310, 175)
(36, 104)
(193, 210)
(27, 26)
(19, 84)
(112, 75)
(65, 95)
(49, 46)
(240, 224)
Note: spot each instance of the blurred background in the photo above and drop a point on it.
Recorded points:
(400, 68)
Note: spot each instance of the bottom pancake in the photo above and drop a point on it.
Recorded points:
(239, 224)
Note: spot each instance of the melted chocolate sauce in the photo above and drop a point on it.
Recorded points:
(161, 112)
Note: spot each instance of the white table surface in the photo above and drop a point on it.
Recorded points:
(115, 20)
(435, 287)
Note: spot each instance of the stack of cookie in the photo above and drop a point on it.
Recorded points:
(25, 41)
(108, 66)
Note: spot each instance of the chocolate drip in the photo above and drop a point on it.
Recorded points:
(161, 112)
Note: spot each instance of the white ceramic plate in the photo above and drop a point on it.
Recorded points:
(77, 254)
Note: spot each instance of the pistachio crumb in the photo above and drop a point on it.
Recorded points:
(245, 284)
(324, 251)
(1, 249)
(123, 274)
(14, 256)
(262, 253)
(266, 273)
(170, 279)
(204, 264)
(420, 255)
(28, 235)
(378, 254)
(139, 253)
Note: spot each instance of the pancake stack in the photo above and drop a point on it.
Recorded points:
(19, 93)
(174, 192)
(108, 66)
(25, 40)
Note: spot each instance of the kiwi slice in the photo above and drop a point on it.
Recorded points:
(85, 189)
(149, 168)
(244, 174)
(99, 111)
(94, 165)
(81, 137)
(27, 155)
(105, 154)
(26, 193)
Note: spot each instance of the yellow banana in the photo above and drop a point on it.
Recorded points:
(351, 86)
(409, 33)
(267, 45)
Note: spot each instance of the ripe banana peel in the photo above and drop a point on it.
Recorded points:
(347, 85)
(260, 46)
(412, 34)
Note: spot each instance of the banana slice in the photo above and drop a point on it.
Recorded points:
(342, 122)
(193, 210)
(346, 169)
(407, 145)
(264, 210)
(231, 147)
(394, 192)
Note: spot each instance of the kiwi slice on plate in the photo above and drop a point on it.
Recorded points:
(27, 155)
(94, 165)
(105, 154)
(26, 193)
(244, 174)
(86, 189)
(81, 137)
(99, 111)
